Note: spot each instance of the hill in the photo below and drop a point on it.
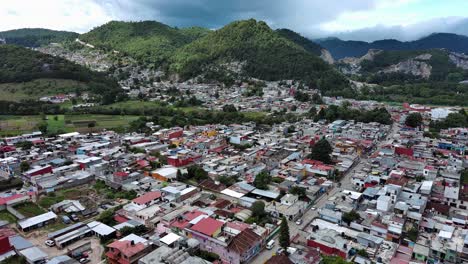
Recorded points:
(146, 41)
(419, 76)
(23, 65)
(36, 37)
(341, 49)
(307, 44)
(251, 48)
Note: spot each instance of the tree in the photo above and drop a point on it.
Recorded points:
(321, 151)
(24, 144)
(284, 233)
(262, 180)
(42, 127)
(24, 166)
(299, 191)
(414, 120)
(229, 108)
(258, 209)
(349, 217)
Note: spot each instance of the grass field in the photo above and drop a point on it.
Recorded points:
(6, 216)
(141, 105)
(38, 88)
(13, 125)
(29, 209)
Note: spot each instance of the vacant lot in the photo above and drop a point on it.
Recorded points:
(29, 209)
(13, 125)
(6, 216)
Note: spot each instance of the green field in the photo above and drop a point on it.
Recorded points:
(13, 125)
(6, 216)
(29, 209)
(38, 88)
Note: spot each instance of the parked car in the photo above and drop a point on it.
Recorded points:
(270, 244)
(84, 260)
(299, 221)
(280, 251)
(74, 217)
(66, 220)
(50, 243)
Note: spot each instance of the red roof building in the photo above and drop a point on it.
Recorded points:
(208, 226)
(148, 199)
(125, 252)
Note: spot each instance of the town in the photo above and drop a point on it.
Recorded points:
(312, 190)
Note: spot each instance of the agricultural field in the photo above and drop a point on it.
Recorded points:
(14, 125)
(38, 88)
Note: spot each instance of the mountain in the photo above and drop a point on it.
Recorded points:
(21, 65)
(307, 44)
(147, 41)
(341, 49)
(253, 49)
(35, 37)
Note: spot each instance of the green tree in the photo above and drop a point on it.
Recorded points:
(299, 191)
(258, 209)
(414, 120)
(24, 166)
(24, 144)
(42, 127)
(284, 239)
(321, 151)
(349, 217)
(229, 108)
(262, 180)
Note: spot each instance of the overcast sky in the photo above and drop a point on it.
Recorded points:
(348, 19)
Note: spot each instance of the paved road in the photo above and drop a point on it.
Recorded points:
(312, 213)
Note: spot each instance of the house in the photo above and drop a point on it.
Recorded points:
(330, 243)
(128, 250)
(165, 174)
(33, 255)
(36, 221)
(245, 245)
(147, 199)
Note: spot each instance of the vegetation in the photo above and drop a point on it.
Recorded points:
(227, 180)
(413, 234)
(23, 65)
(206, 255)
(29, 209)
(7, 216)
(321, 151)
(194, 172)
(334, 260)
(137, 230)
(262, 180)
(350, 217)
(150, 42)
(305, 43)
(453, 120)
(10, 183)
(299, 191)
(35, 37)
(284, 233)
(344, 112)
(24, 166)
(414, 120)
(258, 209)
(362, 252)
(267, 55)
(16, 259)
(110, 193)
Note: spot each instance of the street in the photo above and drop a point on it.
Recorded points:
(310, 214)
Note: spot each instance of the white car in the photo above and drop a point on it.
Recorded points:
(299, 221)
(50, 243)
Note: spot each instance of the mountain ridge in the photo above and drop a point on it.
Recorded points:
(351, 48)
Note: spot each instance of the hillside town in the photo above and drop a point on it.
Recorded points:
(362, 192)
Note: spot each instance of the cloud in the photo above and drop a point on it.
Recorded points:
(366, 19)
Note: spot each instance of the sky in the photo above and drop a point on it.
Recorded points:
(366, 20)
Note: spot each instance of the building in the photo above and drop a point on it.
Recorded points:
(128, 250)
(37, 221)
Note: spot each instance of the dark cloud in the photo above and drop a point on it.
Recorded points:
(301, 15)
(411, 32)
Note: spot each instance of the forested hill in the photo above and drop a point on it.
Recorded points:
(340, 48)
(35, 37)
(148, 41)
(262, 52)
(307, 44)
(20, 64)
